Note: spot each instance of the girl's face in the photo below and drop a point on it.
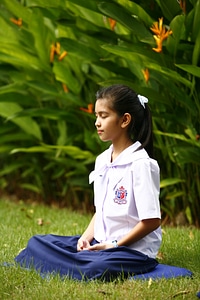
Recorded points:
(108, 123)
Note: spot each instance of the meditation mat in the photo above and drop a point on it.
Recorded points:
(160, 271)
(164, 271)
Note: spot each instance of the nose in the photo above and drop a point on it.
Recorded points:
(97, 123)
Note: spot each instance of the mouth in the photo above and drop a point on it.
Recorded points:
(99, 131)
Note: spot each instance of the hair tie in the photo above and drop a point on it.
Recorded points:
(142, 100)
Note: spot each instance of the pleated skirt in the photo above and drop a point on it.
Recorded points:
(53, 254)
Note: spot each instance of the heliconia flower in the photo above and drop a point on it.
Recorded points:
(55, 49)
(65, 88)
(89, 109)
(146, 74)
(112, 23)
(52, 51)
(17, 22)
(166, 33)
(161, 33)
(157, 27)
(158, 43)
(62, 55)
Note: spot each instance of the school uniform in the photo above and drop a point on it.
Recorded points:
(126, 191)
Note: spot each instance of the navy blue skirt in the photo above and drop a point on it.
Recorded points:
(58, 255)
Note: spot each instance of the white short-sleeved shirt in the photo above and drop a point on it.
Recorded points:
(126, 191)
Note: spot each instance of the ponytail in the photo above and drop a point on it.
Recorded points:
(144, 134)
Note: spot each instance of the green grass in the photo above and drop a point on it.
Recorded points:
(19, 221)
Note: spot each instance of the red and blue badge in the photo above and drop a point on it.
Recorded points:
(120, 196)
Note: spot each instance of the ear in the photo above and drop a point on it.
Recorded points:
(126, 119)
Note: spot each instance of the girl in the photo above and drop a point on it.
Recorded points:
(124, 234)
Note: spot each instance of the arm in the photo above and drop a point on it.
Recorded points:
(143, 228)
(87, 236)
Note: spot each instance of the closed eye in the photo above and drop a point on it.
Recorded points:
(102, 115)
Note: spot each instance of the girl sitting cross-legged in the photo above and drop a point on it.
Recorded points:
(124, 235)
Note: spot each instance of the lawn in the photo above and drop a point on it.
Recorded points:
(19, 221)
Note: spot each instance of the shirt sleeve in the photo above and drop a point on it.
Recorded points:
(146, 188)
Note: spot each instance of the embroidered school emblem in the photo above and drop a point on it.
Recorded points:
(120, 195)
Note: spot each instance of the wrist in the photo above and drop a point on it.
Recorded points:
(115, 245)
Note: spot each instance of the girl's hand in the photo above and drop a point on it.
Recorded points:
(100, 246)
(83, 244)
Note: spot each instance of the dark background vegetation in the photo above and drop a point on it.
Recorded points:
(54, 55)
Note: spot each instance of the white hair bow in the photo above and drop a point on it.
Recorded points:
(143, 100)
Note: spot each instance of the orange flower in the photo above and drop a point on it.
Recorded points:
(157, 27)
(65, 88)
(62, 55)
(112, 23)
(17, 22)
(158, 43)
(161, 34)
(89, 109)
(52, 51)
(146, 74)
(55, 49)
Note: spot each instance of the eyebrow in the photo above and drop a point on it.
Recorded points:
(101, 112)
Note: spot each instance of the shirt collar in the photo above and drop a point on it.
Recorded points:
(124, 158)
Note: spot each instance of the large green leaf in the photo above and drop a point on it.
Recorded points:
(43, 38)
(145, 60)
(13, 137)
(79, 50)
(83, 12)
(7, 31)
(194, 70)
(25, 123)
(44, 3)
(169, 8)
(120, 14)
(34, 149)
(196, 51)
(18, 10)
(90, 5)
(180, 137)
(64, 74)
(10, 168)
(138, 11)
(13, 54)
(62, 128)
(170, 181)
(133, 55)
(170, 74)
(196, 20)
(178, 28)
(49, 113)
(31, 187)
(12, 88)
(53, 93)
(187, 155)
(72, 151)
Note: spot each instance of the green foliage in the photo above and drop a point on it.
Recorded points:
(22, 220)
(48, 145)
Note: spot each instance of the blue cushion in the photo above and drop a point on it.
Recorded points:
(164, 271)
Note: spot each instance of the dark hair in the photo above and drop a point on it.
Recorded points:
(124, 100)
